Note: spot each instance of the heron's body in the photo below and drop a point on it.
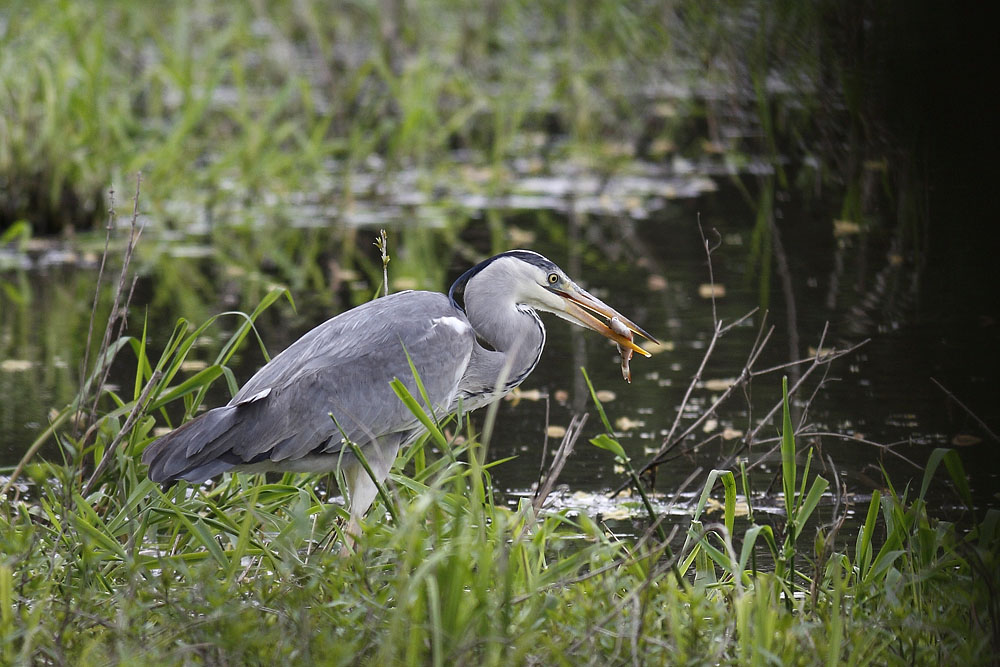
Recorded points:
(280, 420)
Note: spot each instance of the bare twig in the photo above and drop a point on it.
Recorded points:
(718, 330)
(118, 308)
(126, 429)
(545, 448)
(886, 447)
(803, 418)
(817, 361)
(696, 380)
(104, 364)
(711, 274)
(112, 215)
(966, 408)
(559, 460)
(822, 359)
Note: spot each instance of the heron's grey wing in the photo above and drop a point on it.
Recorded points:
(344, 367)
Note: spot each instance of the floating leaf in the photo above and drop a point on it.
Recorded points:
(660, 147)
(966, 440)
(193, 365)
(709, 290)
(405, 282)
(555, 431)
(520, 238)
(606, 395)
(655, 348)
(740, 507)
(656, 283)
(15, 365)
(626, 424)
(845, 228)
(713, 505)
(720, 384)
(518, 395)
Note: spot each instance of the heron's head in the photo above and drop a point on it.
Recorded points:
(533, 280)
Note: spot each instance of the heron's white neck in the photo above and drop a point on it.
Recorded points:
(496, 311)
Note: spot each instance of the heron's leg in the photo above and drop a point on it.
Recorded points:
(361, 489)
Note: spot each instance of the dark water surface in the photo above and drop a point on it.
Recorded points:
(653, 270)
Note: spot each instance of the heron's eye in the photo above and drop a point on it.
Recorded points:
(553, 278)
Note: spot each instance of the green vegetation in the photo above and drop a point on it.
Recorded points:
(280, 121)
(112, 570)
(235, 110)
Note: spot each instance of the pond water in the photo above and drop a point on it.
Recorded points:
(877, 405)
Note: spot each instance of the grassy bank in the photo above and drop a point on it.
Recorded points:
(242, 574)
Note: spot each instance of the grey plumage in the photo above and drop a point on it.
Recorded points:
(280, 419)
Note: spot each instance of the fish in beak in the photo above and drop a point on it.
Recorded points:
(580, 307)
(626, 354)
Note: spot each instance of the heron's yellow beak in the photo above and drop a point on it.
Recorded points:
(581, 306)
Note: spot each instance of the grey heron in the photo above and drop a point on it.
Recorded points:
(469, 347)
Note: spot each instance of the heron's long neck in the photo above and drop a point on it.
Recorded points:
(515, 332)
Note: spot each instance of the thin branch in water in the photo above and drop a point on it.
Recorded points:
(118, 308)
(100, 374)
(803, 419)
(559, 460)
(840, 436)
(717, 332)
(967, 410)
(669, 442)
(745, 376)
(816, 363)
(545, 449)
(711, 275)
(112, 215)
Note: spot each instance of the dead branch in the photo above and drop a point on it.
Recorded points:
(559, 460)
(118, 308)
(821, 359)
(126, 429)
(967, 410)
(886, 447)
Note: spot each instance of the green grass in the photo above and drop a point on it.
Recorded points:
(248, 571)
(227, 126)
(233, 109)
